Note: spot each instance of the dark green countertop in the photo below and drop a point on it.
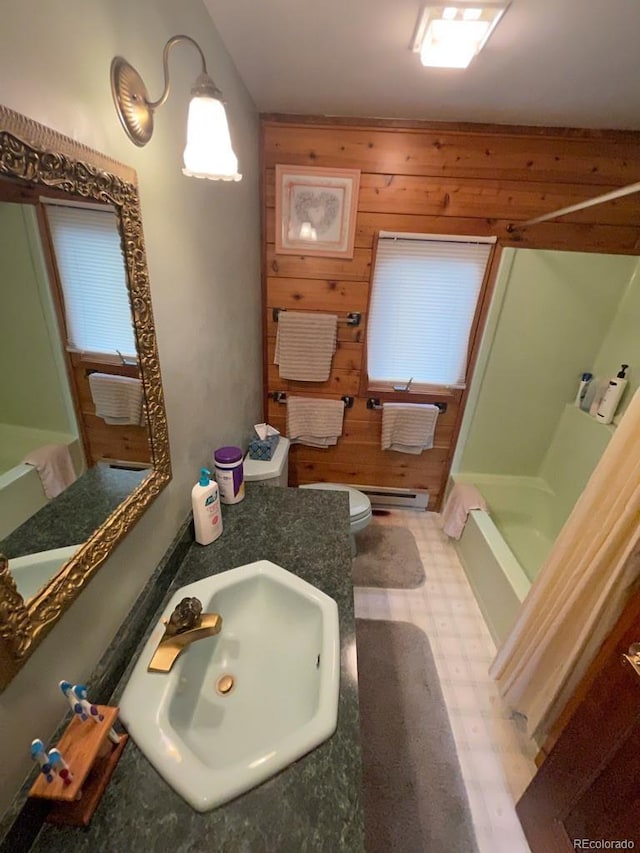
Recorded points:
(313, 805)
(75, 515)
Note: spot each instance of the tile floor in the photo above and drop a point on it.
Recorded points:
(495, 758)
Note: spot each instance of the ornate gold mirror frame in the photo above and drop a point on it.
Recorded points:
(38, 156)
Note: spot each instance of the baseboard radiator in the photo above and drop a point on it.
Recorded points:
(384, 497)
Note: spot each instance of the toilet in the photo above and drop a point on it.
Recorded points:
(274, 472)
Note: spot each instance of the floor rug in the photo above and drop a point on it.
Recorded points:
(387, 556)
(414, 796)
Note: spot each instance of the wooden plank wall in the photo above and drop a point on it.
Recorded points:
(103, 441)
(427, 178)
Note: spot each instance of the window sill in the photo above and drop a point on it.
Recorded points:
(446, 391)
(104, 358)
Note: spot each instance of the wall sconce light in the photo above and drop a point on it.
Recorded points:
(208, 153)
(450, 34)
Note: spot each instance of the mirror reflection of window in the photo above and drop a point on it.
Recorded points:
(88, 253)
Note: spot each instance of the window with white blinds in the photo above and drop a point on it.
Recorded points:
(423, 301)
(91, 268)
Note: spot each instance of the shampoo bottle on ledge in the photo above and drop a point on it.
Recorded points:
(207, 518)
(611, 398)
(585, 379)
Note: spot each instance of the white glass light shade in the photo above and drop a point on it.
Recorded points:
(208, 153)
(452, 44)
(449, 35)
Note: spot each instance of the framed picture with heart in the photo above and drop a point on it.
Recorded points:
(316, 211)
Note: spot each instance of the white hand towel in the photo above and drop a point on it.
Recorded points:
(408, 427)
(118, 399)
(54, 466)
(305, 344)
(462, 499)
(314, 422)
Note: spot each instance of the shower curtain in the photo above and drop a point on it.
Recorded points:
(581, 589)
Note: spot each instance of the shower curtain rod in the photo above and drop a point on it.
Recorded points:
(599, 199)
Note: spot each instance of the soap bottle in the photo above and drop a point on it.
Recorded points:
(207, 517)
(611, 398)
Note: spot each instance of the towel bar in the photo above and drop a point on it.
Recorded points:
(353, 317)
(89, 370)
(374, 403)
(281, 397)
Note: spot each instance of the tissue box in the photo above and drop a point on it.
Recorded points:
(263, 448)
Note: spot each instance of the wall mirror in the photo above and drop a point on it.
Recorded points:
(83, 434)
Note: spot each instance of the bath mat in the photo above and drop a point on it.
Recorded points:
(414, 796)
(387, 556)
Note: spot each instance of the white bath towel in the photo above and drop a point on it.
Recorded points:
(408, 427)
(118, 399)
(314, 422)
(305, 344)
(462, 499)
(54, 466)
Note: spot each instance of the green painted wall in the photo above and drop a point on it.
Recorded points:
(33, 388)
(621, 344)
(549, 326)
(577, 444)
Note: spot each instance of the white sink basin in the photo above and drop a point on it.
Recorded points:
(280, 644)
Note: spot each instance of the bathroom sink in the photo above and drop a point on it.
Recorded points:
(277, 656)
(34, 571)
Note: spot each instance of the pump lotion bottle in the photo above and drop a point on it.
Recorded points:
(207, 517)
(611, 398)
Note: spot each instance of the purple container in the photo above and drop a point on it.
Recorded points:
(229, 474)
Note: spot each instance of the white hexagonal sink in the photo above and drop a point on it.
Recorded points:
(280, 645)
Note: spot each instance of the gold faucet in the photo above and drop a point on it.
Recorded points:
(186, 624)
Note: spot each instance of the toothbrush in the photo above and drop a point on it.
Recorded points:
(91, 711)
(114, 737)
(39, 754)
(60, 766)
(76, 706)
(80, 705)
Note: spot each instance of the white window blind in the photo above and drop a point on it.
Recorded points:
(423, 300)
(92, 273)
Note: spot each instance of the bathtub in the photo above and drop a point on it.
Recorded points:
(502, 550)
(34, 571)
(21, 493)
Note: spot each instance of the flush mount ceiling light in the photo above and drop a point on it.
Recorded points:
(208, 153)
(450, 35)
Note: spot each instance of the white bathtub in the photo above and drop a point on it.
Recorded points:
(21, 493)
(502, 550)
(21, 496)
(34, 571)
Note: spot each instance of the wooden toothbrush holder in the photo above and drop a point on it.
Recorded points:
(92, 758)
